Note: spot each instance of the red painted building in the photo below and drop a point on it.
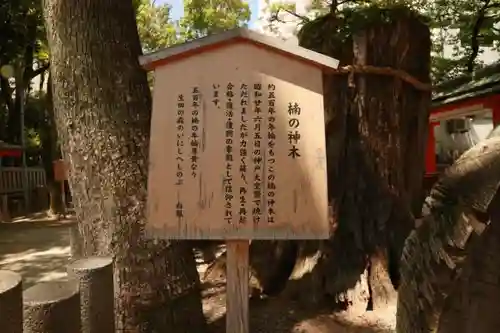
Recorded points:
(464, 111)
(9, 150)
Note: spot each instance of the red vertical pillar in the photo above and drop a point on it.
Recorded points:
(430, 154)
(495, 109)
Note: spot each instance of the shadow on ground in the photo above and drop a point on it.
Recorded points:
(38, 250)
(279, 315)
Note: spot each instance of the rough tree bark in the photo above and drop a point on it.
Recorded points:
(51, 152)
(471, 306)
(435, 254)
(481, 292)
(102, 106)
(475, 294)
(376, 131)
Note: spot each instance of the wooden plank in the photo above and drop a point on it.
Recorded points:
(239, 153)
(237, 286)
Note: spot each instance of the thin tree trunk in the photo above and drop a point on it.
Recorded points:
(102, 107)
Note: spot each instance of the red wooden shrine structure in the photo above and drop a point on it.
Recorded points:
(464, 97)
(9, 150)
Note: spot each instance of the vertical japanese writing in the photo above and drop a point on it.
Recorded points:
(180, 139)
(215, 95)
(195, 124)
(271, 160)
(243, 153)
(293, 129)
(179, 210)
(229, 135)
(257, 153)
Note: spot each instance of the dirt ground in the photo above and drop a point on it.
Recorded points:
(37, 247)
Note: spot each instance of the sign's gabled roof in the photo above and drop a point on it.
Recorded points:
(182, 51)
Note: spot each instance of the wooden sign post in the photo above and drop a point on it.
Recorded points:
(237, 148)
(61, 175)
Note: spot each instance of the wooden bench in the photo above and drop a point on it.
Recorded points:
(12, 191)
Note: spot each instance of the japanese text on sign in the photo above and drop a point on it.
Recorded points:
(271, 160)
(237, 153)
(229, 134)
(293, 129)
(257, 149)
(257, 153)
(180, 139)
(243, 153)
(195, 136)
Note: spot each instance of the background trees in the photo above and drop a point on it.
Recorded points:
(461, 30)
(202, 17)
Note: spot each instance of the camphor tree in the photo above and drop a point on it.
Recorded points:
(433, 254)
(376, 125)
(102, 106)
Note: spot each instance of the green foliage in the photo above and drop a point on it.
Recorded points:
(201, 17)
(155, 27)
(205, 17)
(453, 24)
(324, 33)
(22, 46)
(36, 117)
(157, 30)
(21, 25)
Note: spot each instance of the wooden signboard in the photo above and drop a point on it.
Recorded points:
(60, 170)
(237, 147)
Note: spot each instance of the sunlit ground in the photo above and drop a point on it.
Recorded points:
(36, 248)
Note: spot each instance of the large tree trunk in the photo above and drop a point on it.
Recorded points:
(376, 131)
(472, 305)
(454, 218)
(50, 152)
(102, 105)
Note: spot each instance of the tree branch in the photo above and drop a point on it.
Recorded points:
(275, 16)
(303, 18)
(333, 7)
(480, 18)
